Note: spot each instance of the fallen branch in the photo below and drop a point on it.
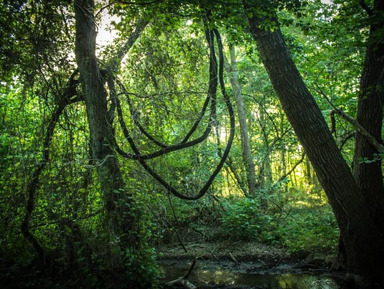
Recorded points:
(233, 258)
(183, 281)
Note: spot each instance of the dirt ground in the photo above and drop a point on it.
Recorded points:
(237, 252)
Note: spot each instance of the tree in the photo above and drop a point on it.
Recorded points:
(361, 229)
(112, 185)
(249, 164)
(122, 240)
(367, 168)
(100, 91)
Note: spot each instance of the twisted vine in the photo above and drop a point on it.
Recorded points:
(214, 77)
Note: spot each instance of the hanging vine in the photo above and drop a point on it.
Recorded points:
(215, 76)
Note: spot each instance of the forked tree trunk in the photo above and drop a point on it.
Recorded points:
(117, 201)
(360, 234)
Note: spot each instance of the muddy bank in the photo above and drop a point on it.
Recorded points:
(240, 252)
(247, 265)
(252, 274)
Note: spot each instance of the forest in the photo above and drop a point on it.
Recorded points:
(143, 140)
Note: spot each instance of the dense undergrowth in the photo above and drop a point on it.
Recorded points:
(300, 230)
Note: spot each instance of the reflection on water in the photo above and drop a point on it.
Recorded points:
(278, 281)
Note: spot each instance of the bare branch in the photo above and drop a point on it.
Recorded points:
(346, 137)
(115, 62)
(378, 146)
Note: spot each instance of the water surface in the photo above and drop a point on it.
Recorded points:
(225, 275)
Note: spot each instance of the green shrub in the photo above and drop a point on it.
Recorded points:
(302, 231)
(244, 220)
(310, 231)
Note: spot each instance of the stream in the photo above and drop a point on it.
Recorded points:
(209, 274)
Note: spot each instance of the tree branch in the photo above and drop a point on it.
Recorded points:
(374, 142)
(378, 146)
(114, 63)
(346, 137)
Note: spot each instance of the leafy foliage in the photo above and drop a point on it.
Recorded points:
(243, 220)
(165, 74)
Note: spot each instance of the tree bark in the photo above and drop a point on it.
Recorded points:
(360, 235)
(117, 201)
(244, 135)
(368, 175)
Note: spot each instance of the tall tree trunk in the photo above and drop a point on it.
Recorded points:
(116, 201)
(361, 237)
(368, 175)
(245, 144)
